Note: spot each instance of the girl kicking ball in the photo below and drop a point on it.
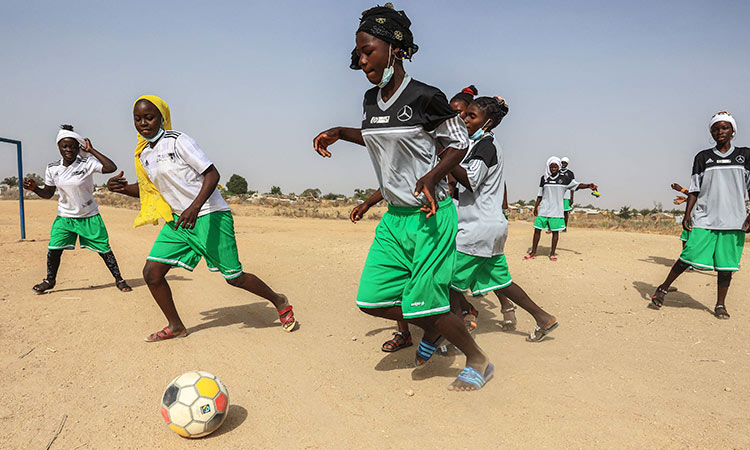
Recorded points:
(177, 183)
(715, 215)
(549, 204)
(410, 263)
(77, 212)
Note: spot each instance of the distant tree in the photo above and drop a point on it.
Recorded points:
(332, 196)
(39, 180)
(625, 212)
(531, 202)
(275, 190)
(363, 194)
(237, 184)
(645, 212)
(521, 203)
(311, 192)
(10, 181)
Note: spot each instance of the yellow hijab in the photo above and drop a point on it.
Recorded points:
(153, 205)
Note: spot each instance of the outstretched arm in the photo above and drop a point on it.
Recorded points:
(591, 186)
(108, 166)
(45, 192)
(328, 137)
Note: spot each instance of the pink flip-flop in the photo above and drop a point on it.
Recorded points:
(165, 334)
(553, 258)
(529, 256)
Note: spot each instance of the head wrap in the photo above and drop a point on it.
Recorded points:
(389, 25)
(565, 159)
(153, 205)
(723, 116)
(62, 134)
(552, 160)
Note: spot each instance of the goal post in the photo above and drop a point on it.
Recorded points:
(20, 183)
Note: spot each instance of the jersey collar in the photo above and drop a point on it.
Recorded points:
(724, 155)
(385, 105)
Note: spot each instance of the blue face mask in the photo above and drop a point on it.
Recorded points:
(388, 72)
(155, 138)
(480, 132)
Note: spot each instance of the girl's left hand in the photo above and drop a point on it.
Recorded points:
(426, 186)
(187, 218)
(746, 225)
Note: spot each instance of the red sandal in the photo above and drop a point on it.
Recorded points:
(286, 316)
(392, 345)
(165, 334)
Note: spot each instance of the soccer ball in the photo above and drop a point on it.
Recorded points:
(195, 404)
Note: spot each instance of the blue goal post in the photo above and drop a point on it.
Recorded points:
(20, 183)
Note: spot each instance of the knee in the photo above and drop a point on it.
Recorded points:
(680, 266)
(236, 282)
(724, 278)
(151, 275)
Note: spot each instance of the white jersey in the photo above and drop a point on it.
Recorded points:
(482, 227)
(567, 195)
(552, 190)
(75, 185)
(175, 165)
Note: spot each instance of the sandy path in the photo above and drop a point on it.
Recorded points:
(615, 374)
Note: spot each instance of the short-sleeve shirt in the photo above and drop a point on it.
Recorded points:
(552, 190)
(482, 227)
(567, 193)
(721, 182)
(175, 165)
(403, 135)
(75, 186)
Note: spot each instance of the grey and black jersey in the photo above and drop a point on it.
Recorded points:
(482, 227)
(403, 136)
(552, 190)
(721, 182)
(569, 172)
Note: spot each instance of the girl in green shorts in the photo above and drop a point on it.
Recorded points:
(77, 212)
(715, 215)
(177, 183)
(410, 264)
(549, 204)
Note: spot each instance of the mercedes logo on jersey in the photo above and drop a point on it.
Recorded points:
(740, 159)
(404, 113)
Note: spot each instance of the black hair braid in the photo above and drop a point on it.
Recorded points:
(66, 127)
(466, 95)
(493, 108)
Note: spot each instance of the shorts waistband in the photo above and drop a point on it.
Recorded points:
(408, 210)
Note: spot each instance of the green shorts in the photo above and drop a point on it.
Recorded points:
(719, 250)
(566, 205)
(211, 238)
(684, 235)
(550, 223)
(410, 262)
(90, 231)
(476, 275)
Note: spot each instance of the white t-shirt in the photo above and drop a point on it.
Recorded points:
(175, 165)
(75, 185)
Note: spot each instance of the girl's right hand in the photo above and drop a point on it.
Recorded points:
(687, 224)
(29, 184)
(536, 211)
(324, 139)
(117, 183)
(358, 212)
(676, 187)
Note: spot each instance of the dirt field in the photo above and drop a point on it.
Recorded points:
(616, 374)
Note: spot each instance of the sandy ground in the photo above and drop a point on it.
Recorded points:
(616, 374)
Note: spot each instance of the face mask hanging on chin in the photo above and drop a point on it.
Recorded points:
(388, 72)
(155, 138)
(480, 132)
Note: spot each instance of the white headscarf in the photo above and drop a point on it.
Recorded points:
(723, 116)
(565, 159)
(552, 160)
(62, 134)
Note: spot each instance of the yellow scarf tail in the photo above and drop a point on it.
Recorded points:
(153, 205)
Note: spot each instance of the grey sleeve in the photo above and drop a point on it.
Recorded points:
(452, 133)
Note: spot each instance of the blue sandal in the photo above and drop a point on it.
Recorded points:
(472, 376)
(426, 349)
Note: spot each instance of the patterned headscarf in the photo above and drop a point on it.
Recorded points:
(389, 25)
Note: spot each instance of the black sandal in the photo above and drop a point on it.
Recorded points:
(720, 311)
(122, 285)
(45, 285)
(392, 345)
(656, 300)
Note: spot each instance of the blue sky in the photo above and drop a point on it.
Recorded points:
(625, 89)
